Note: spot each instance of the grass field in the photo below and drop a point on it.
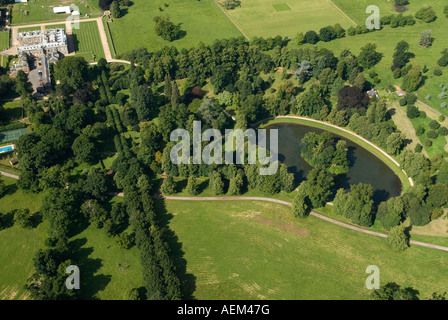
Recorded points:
(107, 271)
(87, 41)
(56, 26)
(18, 245)
(42, 10)
(27, 29)
(201, 20)
(4, 40)
(253, 250)
(271, 17)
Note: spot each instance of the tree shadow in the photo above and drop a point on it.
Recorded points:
(188, 280)
(90, 283)
(11, 189)
(7, 220)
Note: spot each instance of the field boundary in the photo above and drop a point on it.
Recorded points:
(230, 18)
(343, 13)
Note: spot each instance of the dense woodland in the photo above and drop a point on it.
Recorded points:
(94, 109)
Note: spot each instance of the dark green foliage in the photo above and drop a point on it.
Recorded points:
(434, 125)
(437, 196)
(392, 291)
(426, 14)
(323, 150)
(71, 71)
(317, 187)
(24, 219)
(369, 57)
(84, 149)
(166, 29)
(192, 186)
(418, 148)
(418, 214)
(398, 238)
(326, 34)
(356, 204)
(391, 212)
(300, 207)
(168, 185)
(431, 134)
(311, 37)
(216, 183)
(412, 112)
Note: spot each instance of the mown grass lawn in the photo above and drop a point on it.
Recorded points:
(87, 41)
(255, 250)
(269, 18)
(202, 21)
(36, 11)
(4, 40)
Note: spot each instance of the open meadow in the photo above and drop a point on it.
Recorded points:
(202, 21)
(256, 250)
(269, 18)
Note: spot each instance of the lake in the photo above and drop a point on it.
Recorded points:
(365, 167)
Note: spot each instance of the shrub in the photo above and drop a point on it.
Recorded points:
(428, 97)
(311, 37)
(420, 130)
(441, 118)
(434, 125)
(418, 148)
(442, 95)
(426, 14)
(428, 143)
(437, 72)
(422, 114)
(403, 102)
(412, 112)
(443, 131)
(436, 213)
(431, 134)
(443, 105)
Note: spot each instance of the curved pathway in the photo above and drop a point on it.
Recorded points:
(315, 214)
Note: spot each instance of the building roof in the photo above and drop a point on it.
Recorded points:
(65, 9)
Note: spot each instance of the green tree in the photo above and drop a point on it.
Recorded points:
(115, 9)
(425, 39)
(216, 183)
(168, 185)
(413, 79)
(166, 29)
(23, 87)
(96, 214)
(192, 186)
(369, 57)
(427, 14)
(300, 207)
(84, 149)
(398, 238)
(23, 218)
(71, 71)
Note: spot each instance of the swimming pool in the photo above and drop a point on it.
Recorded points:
(6, 148)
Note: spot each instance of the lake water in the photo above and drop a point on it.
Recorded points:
(364, 166)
